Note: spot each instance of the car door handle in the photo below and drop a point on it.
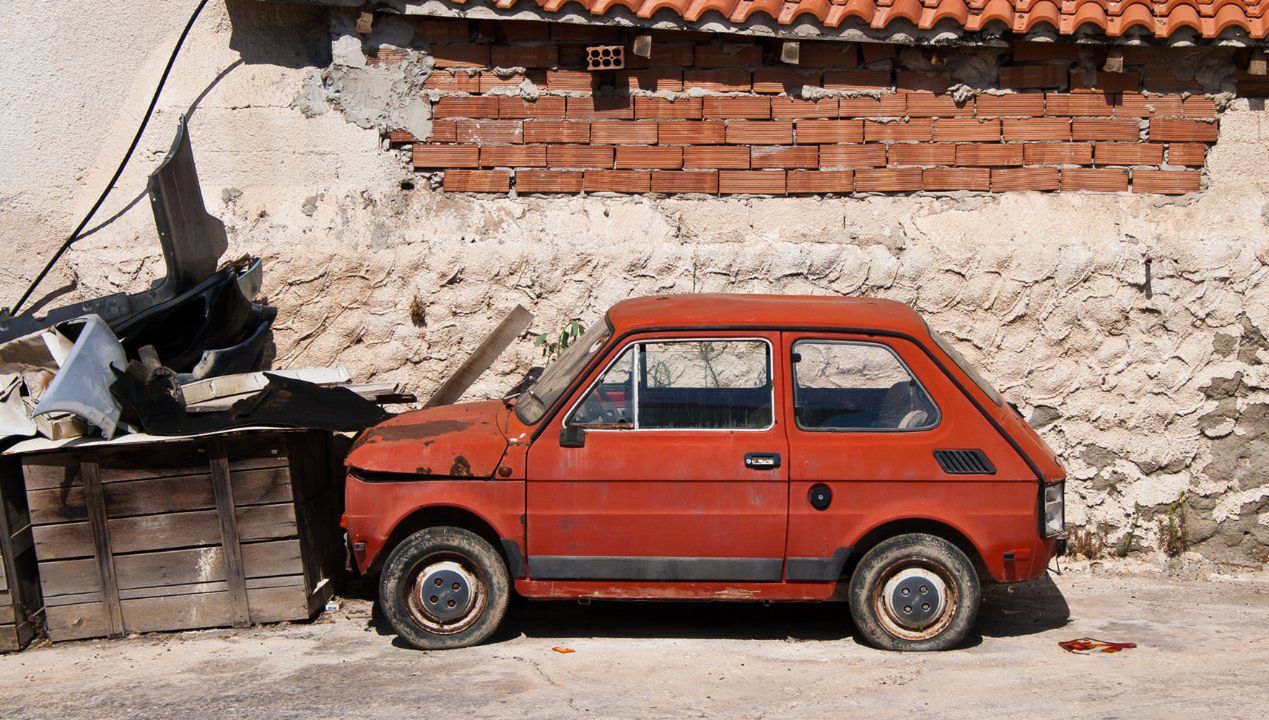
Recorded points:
(762, 461)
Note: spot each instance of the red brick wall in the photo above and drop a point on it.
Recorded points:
(1055, 127)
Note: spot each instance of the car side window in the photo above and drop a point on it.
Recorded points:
(845, 386)
(683, 385)
(705, 385)
(609, 404)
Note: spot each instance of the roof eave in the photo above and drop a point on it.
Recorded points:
(900, 32)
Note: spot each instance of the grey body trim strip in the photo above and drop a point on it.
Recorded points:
(515, 560)
(661, 569)
(806, 569)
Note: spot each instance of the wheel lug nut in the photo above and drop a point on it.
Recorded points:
(456, 586)
(433, 599)
(906, 592)
(450, 603)
(907, 608)
(925, 607)
(438, 582)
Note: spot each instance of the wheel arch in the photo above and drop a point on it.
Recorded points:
(924, 525)
(429, 516)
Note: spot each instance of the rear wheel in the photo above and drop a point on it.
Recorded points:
(444, 588)
(914, 592)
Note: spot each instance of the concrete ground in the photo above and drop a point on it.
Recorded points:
(1203, 646)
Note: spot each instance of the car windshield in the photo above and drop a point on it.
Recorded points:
(965, 367)
(557, 376)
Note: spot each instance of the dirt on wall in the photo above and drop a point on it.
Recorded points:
(1129, 328)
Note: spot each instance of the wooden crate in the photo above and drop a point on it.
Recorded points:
(227, 530)
(20, 611)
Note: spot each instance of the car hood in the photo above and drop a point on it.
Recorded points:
(464, 440)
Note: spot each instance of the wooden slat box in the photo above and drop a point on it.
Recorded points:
(20, 611)
(213, 531)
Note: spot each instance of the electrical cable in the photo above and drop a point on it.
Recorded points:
(136, 140)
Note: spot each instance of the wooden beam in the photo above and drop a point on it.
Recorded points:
(223, 490)
(511, 327)
(95, 499)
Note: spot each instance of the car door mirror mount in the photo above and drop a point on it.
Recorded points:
(572, 436)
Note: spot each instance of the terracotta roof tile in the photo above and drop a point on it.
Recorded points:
(1161, 18)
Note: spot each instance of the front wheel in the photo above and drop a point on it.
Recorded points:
(444, 588)
(914, 592)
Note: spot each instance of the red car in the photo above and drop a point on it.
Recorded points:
(715, 447)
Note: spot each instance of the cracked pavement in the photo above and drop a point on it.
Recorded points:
(1202, 649)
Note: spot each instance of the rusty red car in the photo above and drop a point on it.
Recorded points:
(714, 447)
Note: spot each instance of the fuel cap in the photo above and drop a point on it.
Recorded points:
(820, 496)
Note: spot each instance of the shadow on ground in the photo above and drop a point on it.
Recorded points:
(1007, 611)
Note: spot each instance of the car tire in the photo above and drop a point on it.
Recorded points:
(444, 588)
(914, 592)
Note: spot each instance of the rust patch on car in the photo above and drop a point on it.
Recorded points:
(410, 431)
(460, 468)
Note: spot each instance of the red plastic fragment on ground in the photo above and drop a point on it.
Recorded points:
(1088, 646)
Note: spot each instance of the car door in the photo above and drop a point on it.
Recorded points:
(869, 417)
(680, 475)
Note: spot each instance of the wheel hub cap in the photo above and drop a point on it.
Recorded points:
(915, 598)
(445, 591)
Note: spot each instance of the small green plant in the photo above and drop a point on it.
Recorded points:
(554, 345)
(1129, 543)
(1171, 525)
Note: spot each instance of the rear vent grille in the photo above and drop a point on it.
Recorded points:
(964, 462)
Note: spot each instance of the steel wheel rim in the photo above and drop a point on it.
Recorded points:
(443, 609)
(889, 610)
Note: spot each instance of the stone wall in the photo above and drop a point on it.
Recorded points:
(1130, 328)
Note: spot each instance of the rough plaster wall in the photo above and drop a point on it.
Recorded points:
(1146, 395)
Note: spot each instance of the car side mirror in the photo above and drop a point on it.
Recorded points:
(572, 436)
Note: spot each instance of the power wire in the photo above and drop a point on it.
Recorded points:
(118, 171)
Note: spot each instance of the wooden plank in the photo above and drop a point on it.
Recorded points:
(474, 365)
(64, 504)
(178, 612)
(133, 462)
(165, 532)
(229, 533)
(278, 604)
(67, 582)
(75, 622)
(95, 499)
(50, 470)
(276, 557)
(15, 519)
(75, 599)
(257, 448)
(171, 567)
(9, 640)
(151, 496)
(287, 601)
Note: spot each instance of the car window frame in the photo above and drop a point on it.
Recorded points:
(793, 388)
(634, 382)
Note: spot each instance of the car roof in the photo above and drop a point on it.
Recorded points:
(765, 311)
